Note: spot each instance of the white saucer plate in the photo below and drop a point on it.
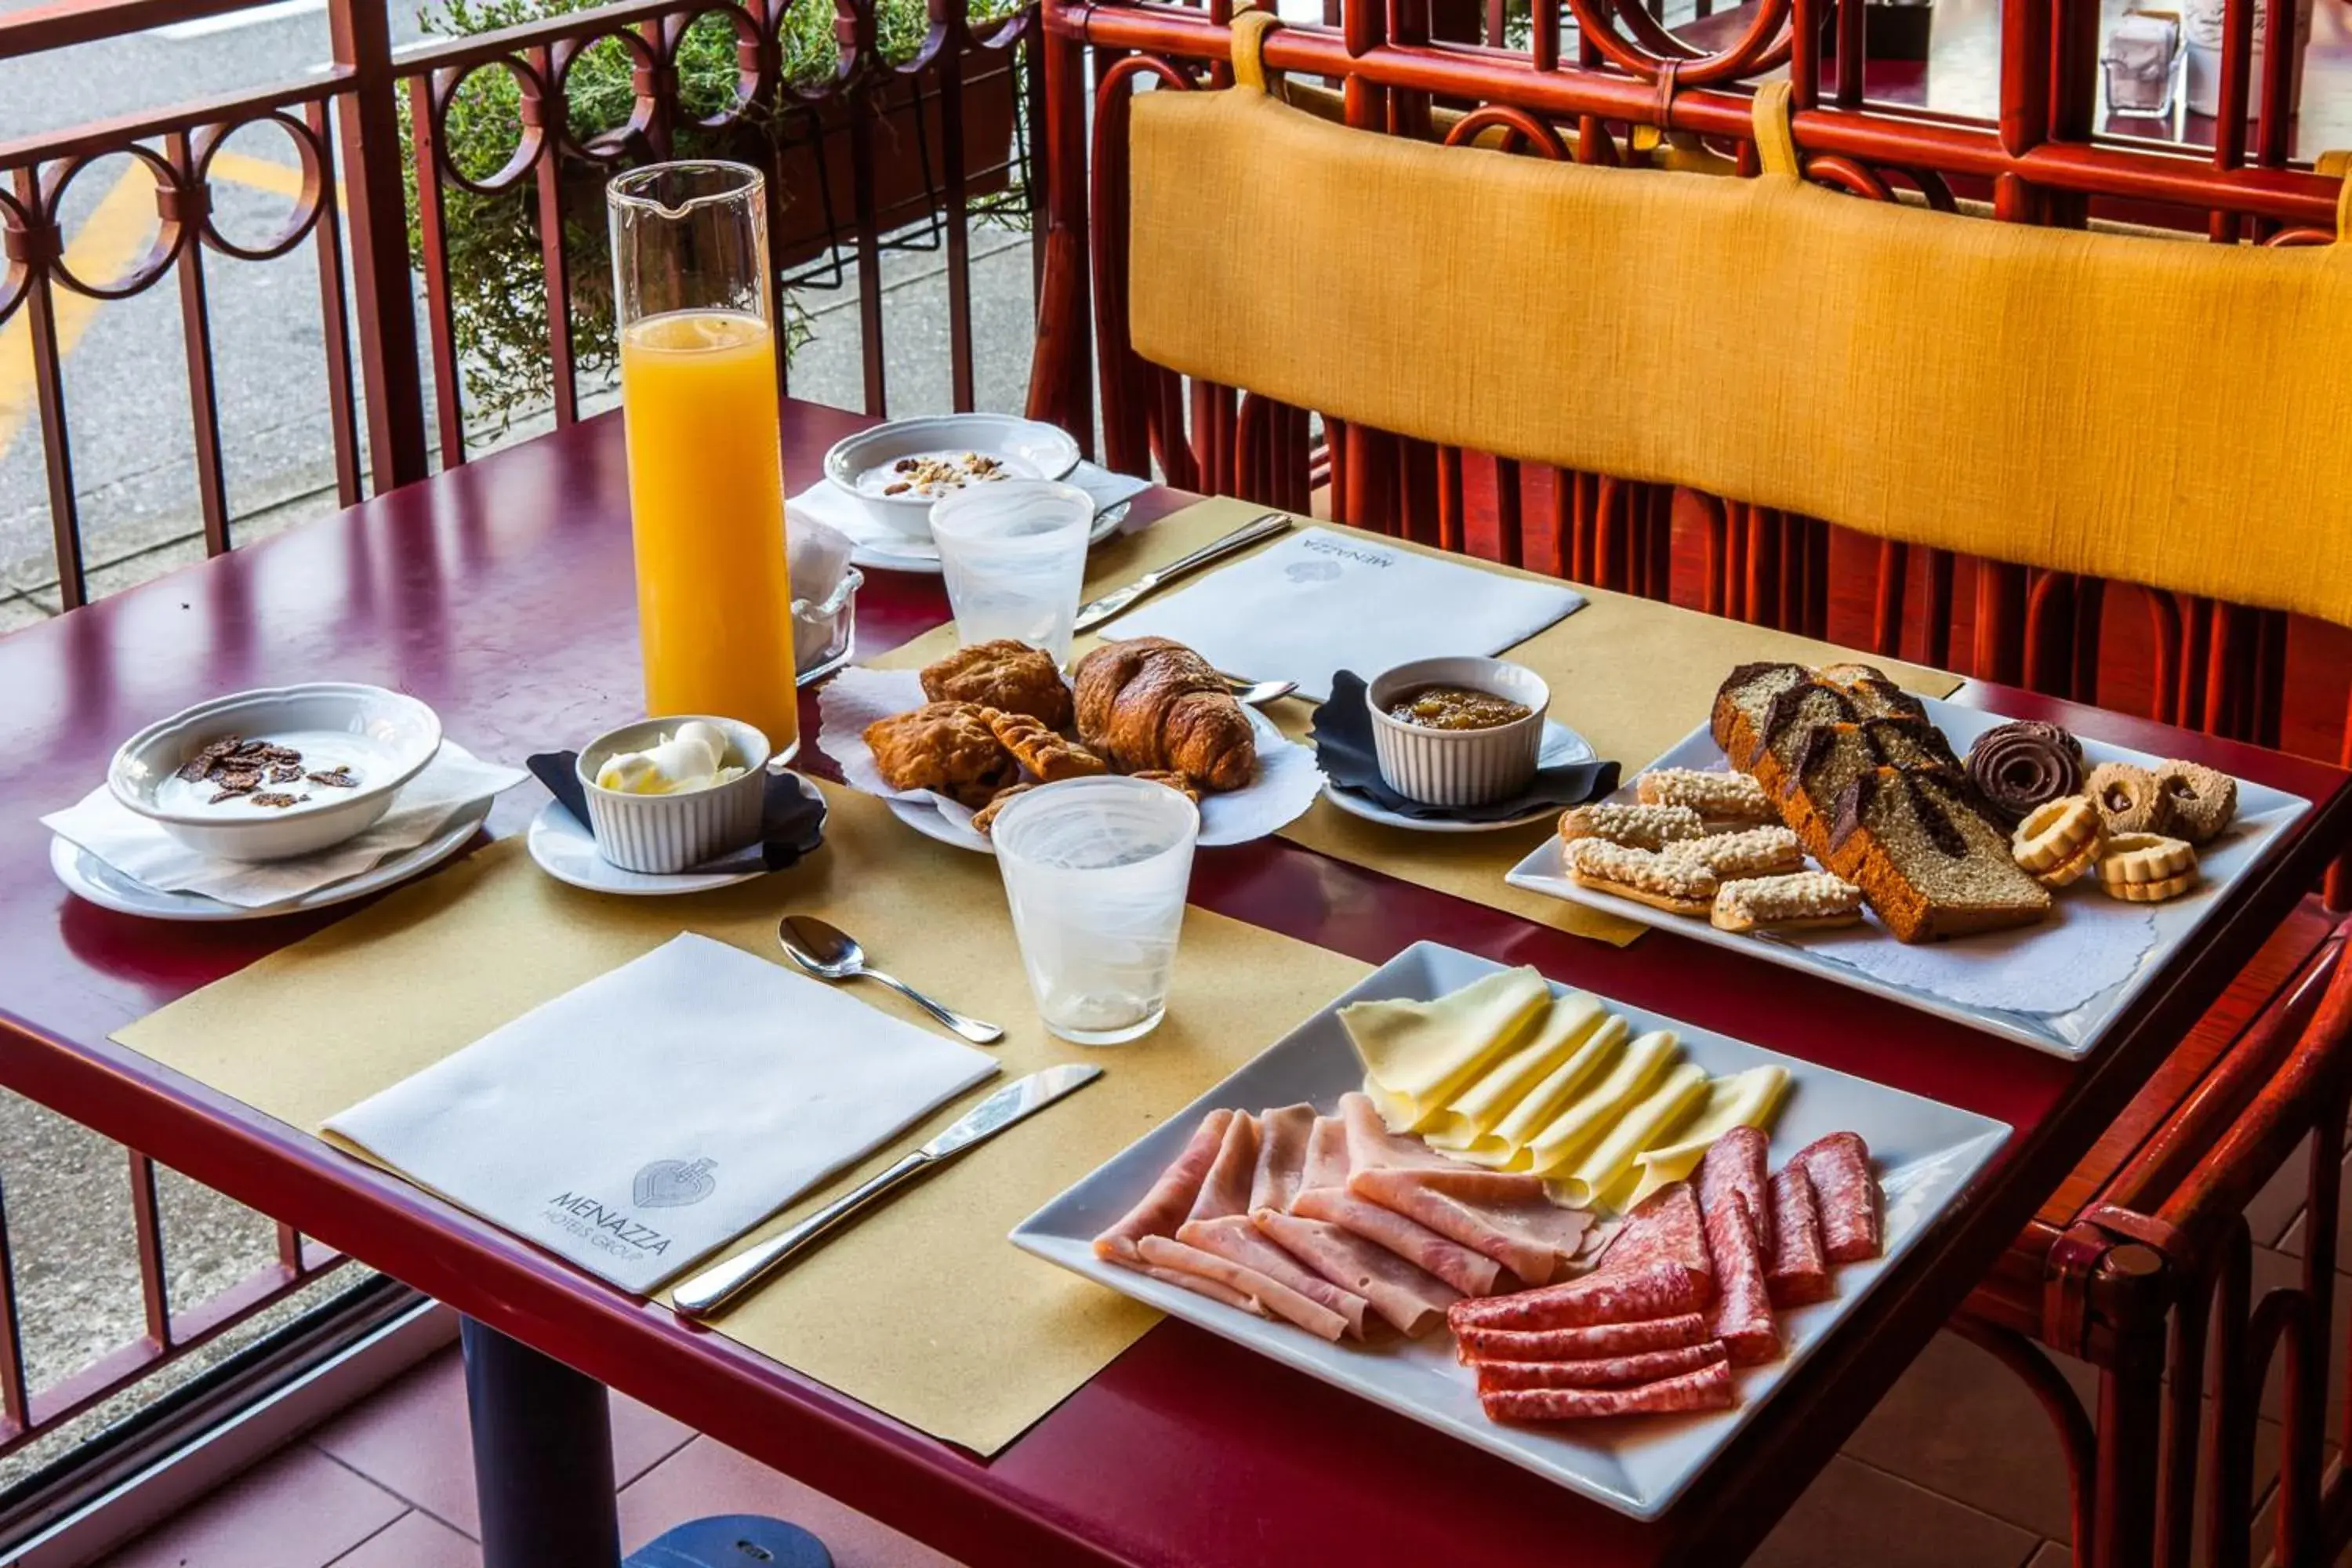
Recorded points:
(567, 852)
(88, 877)
(923, 556)
(1561, 746)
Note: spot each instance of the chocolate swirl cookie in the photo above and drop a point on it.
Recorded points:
(2020, 766)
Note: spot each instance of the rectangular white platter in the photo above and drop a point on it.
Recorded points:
(2072, 1032)
(1926, 1154)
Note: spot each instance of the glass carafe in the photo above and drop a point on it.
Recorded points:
(698, 400)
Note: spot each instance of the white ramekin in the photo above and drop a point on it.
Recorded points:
(665, 833)
(1458, 767)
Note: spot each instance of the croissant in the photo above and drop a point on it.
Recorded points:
(1152, 705)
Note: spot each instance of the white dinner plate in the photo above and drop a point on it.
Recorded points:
(921, 555)
(567, 852)
(88, 877)
(2072, 1033)
(1561, 746)
(1926, 1154)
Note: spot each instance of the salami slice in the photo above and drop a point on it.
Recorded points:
(1609, 1371)
(1798, 1274)
(1654, 1291)
(1708, 1388)
(1839, 1168)
(1581, 1344)
(1743, 1308)
(1735, 1163)
(1664, 1228)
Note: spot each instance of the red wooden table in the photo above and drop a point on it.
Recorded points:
(501, 593)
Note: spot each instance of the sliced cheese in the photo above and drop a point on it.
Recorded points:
(1593, 1058)
(1597, 1173)
(1750, 1099)
(1586, 1116)
(1489, 1097)
(1422, 1053)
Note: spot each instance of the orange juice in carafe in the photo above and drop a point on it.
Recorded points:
(705, 495)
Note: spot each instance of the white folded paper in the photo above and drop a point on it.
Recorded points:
(1319, 602)
(641, 1120)
(454, 780)
(2089, 945)
(830, 504)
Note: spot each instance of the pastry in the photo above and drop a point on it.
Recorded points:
(1718, 797)
(946, 747)
(1004, 674)
(1801, 900)
(1151, 705)
(1051, 757)
(1176, 782)
(2128, 797)
(2146, 867)
(1818, 760)
(2059, 840)
(2203, 800)
(1763, 712)
(985, 817)
(1684, 887)
(1633, 826)
(1752, 852)
(1925, 856)
(2020, 766)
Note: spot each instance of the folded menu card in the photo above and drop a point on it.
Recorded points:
(638, 1122)
(1319, 602)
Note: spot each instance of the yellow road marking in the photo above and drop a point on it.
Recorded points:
(259, 173)
(116, 234)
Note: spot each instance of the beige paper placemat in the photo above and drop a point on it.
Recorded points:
(1632, 674)
(921, 1309)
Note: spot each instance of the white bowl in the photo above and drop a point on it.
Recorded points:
(661, 834)
(386, 738)
(1458, 767)
(1030, 450)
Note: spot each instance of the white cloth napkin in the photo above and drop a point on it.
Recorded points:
(1319, 602)
(830, 504)
(637, 1123)
(1286, 783)
(140, 849)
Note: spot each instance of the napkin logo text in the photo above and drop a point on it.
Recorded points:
(673, 1183)
(1303, 572)
(607, 1227)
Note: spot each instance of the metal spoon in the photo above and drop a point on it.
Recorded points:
(831, 953)
(1258, 693)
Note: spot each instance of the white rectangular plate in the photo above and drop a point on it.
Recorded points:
(2073, 1033)
(1927, 1153)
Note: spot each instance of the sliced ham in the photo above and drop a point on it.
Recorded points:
(1734, 1165)
(1799, 1273)
(1234, 1238)
(1708, 1388)
(1412, 1299)
(1742, 1319)
(1327, 1155)
(1658, 1290)
(1664, 1228)
(1272, 1295)
(1607, 1371)
(1226, 1188)
(1581, 1344)
(1165, 1206)
(1198, 1284)
(1468, 1272)
(1839, 1167)
(1282, 1138)
(1506, 1218)
(1371, 1146)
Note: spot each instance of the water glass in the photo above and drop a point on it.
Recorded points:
(1014, 552)
(1095, 871)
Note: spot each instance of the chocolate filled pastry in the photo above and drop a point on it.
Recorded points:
(1152, 705)
(2203, 800)
(2129, 798)
(945, 747)
(1004, 674)
(2020, 766)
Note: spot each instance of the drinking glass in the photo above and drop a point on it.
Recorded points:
(1014, 552)
(1095, 871)
(698, 403)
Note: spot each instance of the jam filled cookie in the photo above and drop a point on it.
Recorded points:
(2203, 800)
(2059, 840)
(1633, 826)
(1683, 887)
(2146, 867)
(2129, 798)
(1802, 900)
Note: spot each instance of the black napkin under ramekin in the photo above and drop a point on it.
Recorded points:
(791, 822)
(1342, 737)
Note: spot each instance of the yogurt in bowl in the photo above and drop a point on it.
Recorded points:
(897, 470)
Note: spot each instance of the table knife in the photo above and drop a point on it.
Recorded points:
(1117, 599)
(711, 1291)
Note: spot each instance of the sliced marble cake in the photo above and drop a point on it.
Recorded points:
(1927, 859)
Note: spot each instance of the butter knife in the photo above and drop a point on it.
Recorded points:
(1117, 599)
(711, 1291)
